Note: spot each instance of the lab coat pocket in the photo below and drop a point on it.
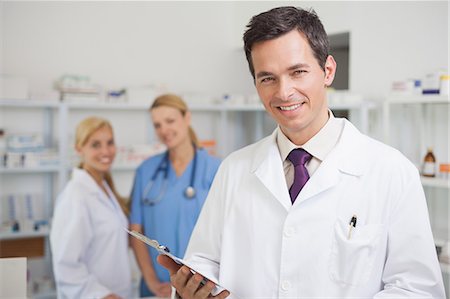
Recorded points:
(352, 259)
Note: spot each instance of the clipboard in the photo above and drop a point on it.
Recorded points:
(165, 251)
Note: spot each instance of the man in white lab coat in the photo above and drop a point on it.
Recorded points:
(317, 209)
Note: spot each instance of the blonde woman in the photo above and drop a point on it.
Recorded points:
(169, 191)
(88, 241)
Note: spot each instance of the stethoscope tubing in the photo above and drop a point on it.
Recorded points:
(164, 167)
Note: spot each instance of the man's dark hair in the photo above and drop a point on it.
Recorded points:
(281, 20)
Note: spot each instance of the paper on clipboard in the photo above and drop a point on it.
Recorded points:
(165, 251)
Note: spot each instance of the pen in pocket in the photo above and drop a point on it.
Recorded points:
(351, 225)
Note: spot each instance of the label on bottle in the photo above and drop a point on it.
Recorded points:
(429, 168)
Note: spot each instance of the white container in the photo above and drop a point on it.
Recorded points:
(444, 84)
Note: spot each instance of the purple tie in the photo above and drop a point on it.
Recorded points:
(299, 157)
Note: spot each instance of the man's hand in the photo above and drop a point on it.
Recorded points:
(160, 289)
(188, 286)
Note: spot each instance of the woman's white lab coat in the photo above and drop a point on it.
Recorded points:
(88, 241)
(258, 245)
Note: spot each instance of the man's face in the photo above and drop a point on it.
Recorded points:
(292, 85)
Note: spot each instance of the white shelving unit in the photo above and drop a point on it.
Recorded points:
(435, 182)
(23, 235)
(428, 117)
(422, 100)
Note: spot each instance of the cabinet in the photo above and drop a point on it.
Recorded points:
(231, 125)
(18, 116)
(411, 123)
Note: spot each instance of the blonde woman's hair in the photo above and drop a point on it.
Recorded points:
(85, 129)
(174, 101)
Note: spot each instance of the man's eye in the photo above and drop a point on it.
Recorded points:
(267, 79)
(299, 72)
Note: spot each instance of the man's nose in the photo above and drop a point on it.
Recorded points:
(285, 89)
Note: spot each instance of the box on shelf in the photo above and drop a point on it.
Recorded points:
(133, 155)
(210, 146)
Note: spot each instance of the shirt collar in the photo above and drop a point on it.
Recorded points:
(320, 145)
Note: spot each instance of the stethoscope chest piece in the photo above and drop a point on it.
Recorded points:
(163, 167)
(189, 192)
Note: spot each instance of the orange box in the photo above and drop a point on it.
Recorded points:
(444, 168)
(209, 145)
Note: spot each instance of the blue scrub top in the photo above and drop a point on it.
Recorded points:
(172, 219)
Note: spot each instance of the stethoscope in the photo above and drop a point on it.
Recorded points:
(163, 166)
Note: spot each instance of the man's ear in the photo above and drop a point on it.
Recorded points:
(330, 70)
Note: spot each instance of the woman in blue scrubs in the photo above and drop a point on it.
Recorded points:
(169, 191)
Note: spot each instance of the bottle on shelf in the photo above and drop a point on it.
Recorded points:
(2, 148)
(429, 164)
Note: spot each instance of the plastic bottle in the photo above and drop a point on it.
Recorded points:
(444, 84)
(2, 148)
(429, 164)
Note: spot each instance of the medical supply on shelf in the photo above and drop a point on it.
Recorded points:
(24, 142)
(2, 148)
(444, 170)
(429, 164)
(24, 160)
(430, 84)
(22, 212)
(444, 84)
(409, 87)
(210, 146)
(117, 96)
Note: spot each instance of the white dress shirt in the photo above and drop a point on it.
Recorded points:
(319, 146)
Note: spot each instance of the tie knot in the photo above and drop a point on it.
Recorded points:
(299, 156)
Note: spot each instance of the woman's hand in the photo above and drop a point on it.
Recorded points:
(112, 296)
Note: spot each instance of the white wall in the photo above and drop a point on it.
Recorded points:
(389, 40)
(183, 45)
(1, 37)
(195, 46)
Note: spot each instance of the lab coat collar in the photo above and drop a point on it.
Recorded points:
(351, 150)
(347, 158)
(84, 178)
(267, 165)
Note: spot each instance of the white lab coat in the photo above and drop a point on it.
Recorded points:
(88, 241)
(258, 245)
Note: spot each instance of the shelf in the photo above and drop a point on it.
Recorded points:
(18, 170)
(125, 167)
(243, 107)
(144, 107)
(349, 106)
(107, 106)
(435, 182)
(418, 99)
(22, 235)
(28, 103)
